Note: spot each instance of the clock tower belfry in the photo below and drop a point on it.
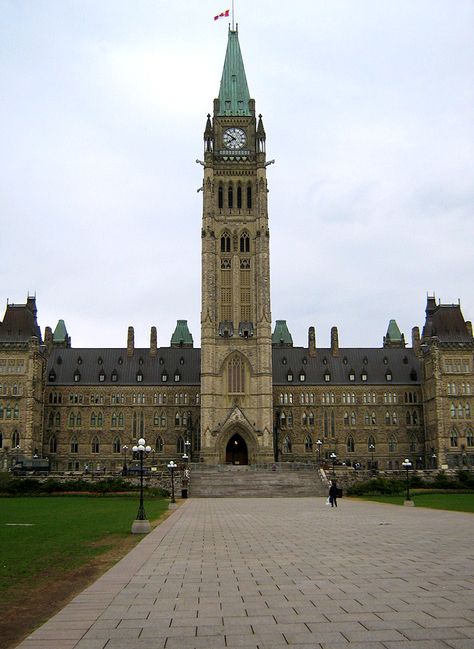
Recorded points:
(236, 344)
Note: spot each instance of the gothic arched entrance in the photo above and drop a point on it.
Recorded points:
(236, 451)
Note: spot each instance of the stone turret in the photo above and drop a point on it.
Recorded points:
(415, 340)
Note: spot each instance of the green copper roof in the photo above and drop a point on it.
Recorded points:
(60, 333)
(281, 335)
(234, 92)
(182, 336)
(393, 332)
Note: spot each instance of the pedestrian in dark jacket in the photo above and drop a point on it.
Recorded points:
(333, 494)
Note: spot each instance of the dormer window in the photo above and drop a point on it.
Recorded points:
(302, 376)
(114, 376)
(102, 376)
(52, 376)
(164, 376)
(365, 360)
(139, 376)
(413, 375)
(352, 375)
(344, 360)
(305, 360)
(181, 361)
(289, 376)
(363, 376)
(327, 376)
(388, 375)
(177, 377)
(140, 361)
(77, 376)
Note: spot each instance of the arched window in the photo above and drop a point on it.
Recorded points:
(163, 421)
(50, 417)
(230, 196)
(287, 445)
(244, 242)
(414, 418)
(469, 438)
(371, 443)
(408, 418)
(346, 419)
(350, 444)
(72, 419)
(156, 419)
(304, 419)
(15, 438)
(453, 438)
(53, 444)
(392, 444)
(78, 420)
(159, 444)
(114, 420)
(311, 419)
(180, 445)
(177, 419)
(95, 445)
(220, 197)
(308, 444)
(117, 446)
(249, 197)
(413, 444)
(93, 420)
(225, 242)
(353, 418)
(236, 375)
(239, 197)
(74, 446)
(452, 409)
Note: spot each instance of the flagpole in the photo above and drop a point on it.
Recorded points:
(233, 16)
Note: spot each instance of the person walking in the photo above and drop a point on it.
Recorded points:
(333, 494)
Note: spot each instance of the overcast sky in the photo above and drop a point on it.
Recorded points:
(368, 108)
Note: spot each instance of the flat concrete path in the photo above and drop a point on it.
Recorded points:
(270, 573)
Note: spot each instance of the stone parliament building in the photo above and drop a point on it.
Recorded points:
(248, 395)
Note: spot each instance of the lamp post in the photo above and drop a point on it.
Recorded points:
(372, 449)
(407, 465)
(17, 453)
(124, 450)
(141, 525)
(319, 444)
(187, 450)
(172, 466)
(333, 457)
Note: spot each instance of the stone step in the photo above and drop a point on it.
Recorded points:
(242, 481)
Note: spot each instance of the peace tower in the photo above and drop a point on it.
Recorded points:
(236, 339)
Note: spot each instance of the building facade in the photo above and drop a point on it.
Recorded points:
(248, 395)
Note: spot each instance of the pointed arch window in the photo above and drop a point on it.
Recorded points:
(308, 444)
(180, 445)
(230, 196)
(15, 438)
(220, 197)
(244, 242)
(159, 444)
(117, 446)
(225, 242)
(469, 438)
(249, 197)
(371, 443)
(287, 445)
(95, 445)
(350, 444)
(53, 444)
(239, 197)
(74, 446)
(392, 444)
(236, 375)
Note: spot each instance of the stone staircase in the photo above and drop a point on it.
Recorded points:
(261, 481)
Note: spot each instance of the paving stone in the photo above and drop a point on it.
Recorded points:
(270, 573)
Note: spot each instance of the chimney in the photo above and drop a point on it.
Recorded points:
(130, 341)
(334, 341)
(415, 340)
(469, 328)
(311, 342)
(153, 342)
(48, 338)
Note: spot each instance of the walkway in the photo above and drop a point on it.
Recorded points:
(271, 573)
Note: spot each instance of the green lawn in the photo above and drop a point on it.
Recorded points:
(453, 502)
(37, 534)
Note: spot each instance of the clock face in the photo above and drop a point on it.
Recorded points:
(234, 138)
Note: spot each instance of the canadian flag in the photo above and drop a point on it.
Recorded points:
(224, 14)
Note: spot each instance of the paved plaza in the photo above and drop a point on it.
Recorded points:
(270, 573)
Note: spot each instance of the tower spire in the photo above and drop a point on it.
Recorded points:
(234, 93)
